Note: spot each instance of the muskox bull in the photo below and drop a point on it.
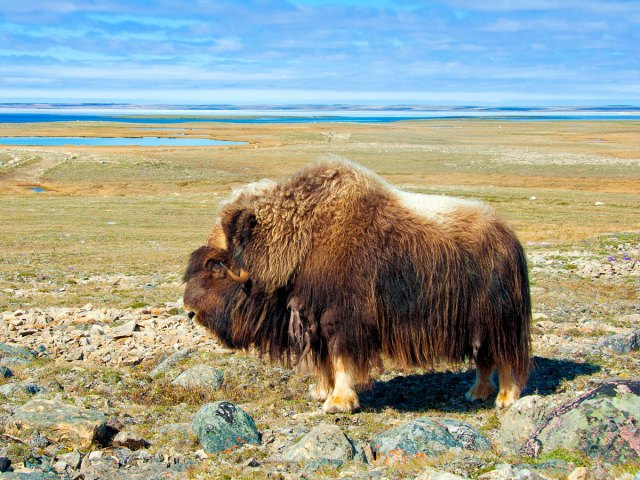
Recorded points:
(333, 268)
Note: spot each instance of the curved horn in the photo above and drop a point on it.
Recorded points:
(242, 277)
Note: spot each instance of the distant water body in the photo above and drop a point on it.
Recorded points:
(114, 142)
(308, 116)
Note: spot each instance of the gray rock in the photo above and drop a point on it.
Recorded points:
(200, 376)
(419, 438)
(72, 459)
(124, 330)
(505, 471)
(97, 468)
(16, 388)
(60, 466)
(470, 438)
(170, 362)
(623, 342)
(519, 422)
(430, 474)
(224, 426)
(60, 423)
(109, 467)
(600, 423)
(326, 444)
(35, 475)
(11, 389)
(10, 355)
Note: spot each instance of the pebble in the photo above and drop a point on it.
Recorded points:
(67, 336)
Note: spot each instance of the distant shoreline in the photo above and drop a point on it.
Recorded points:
(39, 113)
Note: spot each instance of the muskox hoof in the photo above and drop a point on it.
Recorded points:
(317, 393)
(344, 403)
(480, 392)
(507, 397)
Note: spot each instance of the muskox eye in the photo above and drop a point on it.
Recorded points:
(214, 266)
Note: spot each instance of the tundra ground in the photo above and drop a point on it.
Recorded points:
(113, 228)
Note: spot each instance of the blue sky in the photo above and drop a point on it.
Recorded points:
(489, 52)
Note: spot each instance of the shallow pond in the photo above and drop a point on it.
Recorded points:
(115, 142)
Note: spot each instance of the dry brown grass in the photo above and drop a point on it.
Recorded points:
(140, 211)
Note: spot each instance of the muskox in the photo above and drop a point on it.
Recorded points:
(334, 269)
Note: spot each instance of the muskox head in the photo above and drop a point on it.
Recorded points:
(214, 286)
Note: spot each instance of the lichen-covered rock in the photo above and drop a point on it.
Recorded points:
(34, 475)
(324, 445)
(60, 423)
(200, 376)
(519, 422)
(10, 355)
(601, 424)
(623, 342)
(224, 426)
(470, 438)
(424, 437)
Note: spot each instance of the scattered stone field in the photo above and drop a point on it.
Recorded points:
(98, 393)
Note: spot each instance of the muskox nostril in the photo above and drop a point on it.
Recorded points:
(191, 315)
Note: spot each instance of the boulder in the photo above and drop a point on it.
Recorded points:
(519, 422)
(601, 423)
(10, 355)
(200, 376)
(326, 444)
(425, 437)
(623, 342)
(32, 475)
(72, 459)
(224, 426)
(169, 362)
(60, 423)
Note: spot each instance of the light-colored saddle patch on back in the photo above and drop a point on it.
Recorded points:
(437, 208)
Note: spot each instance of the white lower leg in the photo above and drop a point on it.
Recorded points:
(509, 390)
(343, 398)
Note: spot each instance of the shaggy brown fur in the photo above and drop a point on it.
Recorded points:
(342, 271)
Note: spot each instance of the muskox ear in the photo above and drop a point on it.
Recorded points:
(239, 228)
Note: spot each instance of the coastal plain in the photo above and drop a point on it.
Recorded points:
(89, 231)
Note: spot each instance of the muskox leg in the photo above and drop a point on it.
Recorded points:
(343, 398)
(509, 389)
(320, 391)
(483, 387)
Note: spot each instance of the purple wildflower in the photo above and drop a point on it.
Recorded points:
(611, 258)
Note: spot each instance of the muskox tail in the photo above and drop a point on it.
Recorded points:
(511, 336)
